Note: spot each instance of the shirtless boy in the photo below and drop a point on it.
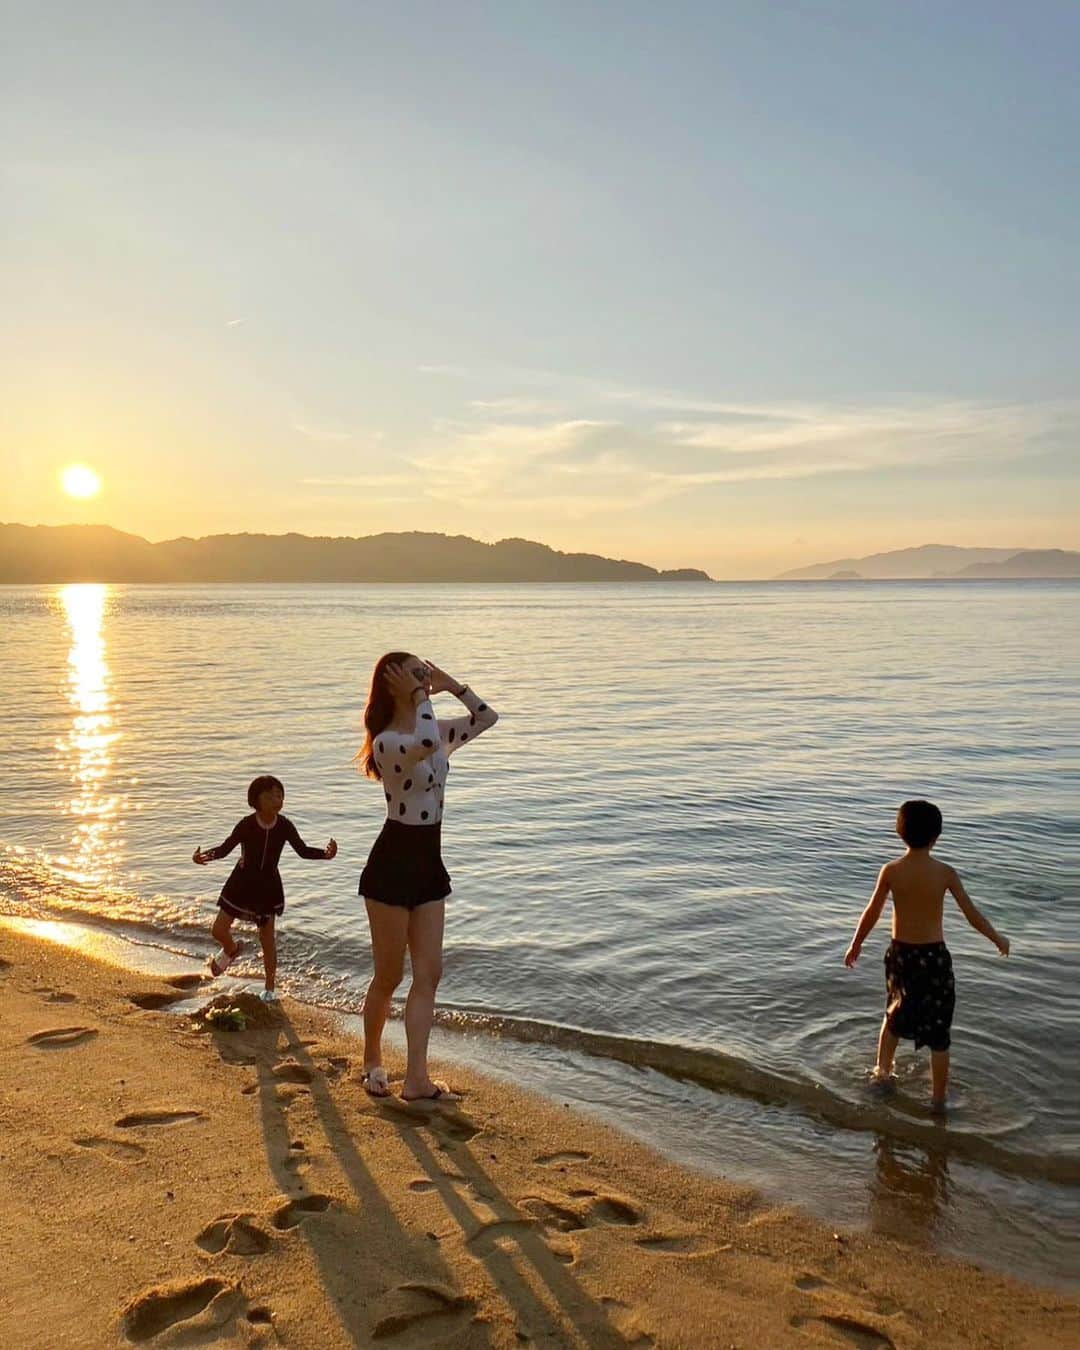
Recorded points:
(920, 990)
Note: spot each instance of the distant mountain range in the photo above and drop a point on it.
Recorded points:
(940, 561)
(64, 553)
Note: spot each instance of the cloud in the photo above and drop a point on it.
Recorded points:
(542, 446)
(593, 465)
(321, 433)
(454, 372)
(510, 407)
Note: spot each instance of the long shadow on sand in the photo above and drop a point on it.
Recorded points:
(388, 1281)
(380, 1290)
(509, 1242)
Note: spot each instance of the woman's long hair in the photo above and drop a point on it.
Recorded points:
(379, 710)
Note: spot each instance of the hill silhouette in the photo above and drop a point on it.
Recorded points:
(1044, 562)
(65, 553)
(940, 561)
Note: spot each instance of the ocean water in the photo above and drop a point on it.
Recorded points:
(659, 853)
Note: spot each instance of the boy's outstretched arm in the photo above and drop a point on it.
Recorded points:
(869, 917)
(978, 921)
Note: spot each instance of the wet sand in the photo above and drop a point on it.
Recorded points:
(170, 1185)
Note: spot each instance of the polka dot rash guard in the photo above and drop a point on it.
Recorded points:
(414, 767)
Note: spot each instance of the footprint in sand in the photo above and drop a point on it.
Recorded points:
(187, 981)
(61, 1037)
(410, 1304)
(810, 1283)
(158, 1116)
(848, 1331)
(234, 1234)
(567, 1156)
(445, 1120)
(289, 1071)
(458, 1128)
(297, 1160)
(154, 999)
(612, 1209)
(598, 1209)
(296, 1211)
(486, 1237)
(119, 1150)
(236, 1056)
(57, 996)
(421, 1185)
(552, 1214)
(206, 1304)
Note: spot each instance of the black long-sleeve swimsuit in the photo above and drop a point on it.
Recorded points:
(253, 889)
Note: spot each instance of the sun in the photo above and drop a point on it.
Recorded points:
(79, 480)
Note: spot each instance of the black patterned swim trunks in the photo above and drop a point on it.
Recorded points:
(920, 992)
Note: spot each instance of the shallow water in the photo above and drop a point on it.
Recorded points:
(658, 854)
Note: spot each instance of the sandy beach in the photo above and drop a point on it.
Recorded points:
(163, 1183)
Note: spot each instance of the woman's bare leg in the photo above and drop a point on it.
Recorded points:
(425, 953)
(389, 935)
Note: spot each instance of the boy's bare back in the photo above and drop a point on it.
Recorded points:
(918, 883)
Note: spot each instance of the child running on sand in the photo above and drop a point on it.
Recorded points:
(919, 987)
(253, 889)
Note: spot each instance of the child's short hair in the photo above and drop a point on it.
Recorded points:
(265, 782)
(918, 823)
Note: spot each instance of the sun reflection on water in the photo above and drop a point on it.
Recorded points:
(88, 747)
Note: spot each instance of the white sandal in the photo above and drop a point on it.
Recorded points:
(220, 964)
(375, 1082)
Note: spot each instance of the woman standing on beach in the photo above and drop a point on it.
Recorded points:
(405, 884)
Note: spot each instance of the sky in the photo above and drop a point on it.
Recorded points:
(738, 286)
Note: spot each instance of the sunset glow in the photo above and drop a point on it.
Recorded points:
(80, 481)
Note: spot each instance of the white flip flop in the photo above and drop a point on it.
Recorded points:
(442, 1093)
(375, 1082)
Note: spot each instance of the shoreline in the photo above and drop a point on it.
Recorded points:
(242, 1189)
(872, 1167)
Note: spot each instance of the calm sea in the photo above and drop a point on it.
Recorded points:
(659, 854)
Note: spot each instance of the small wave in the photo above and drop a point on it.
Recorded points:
(721, 1072)
(35, 884)
(28, 887)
